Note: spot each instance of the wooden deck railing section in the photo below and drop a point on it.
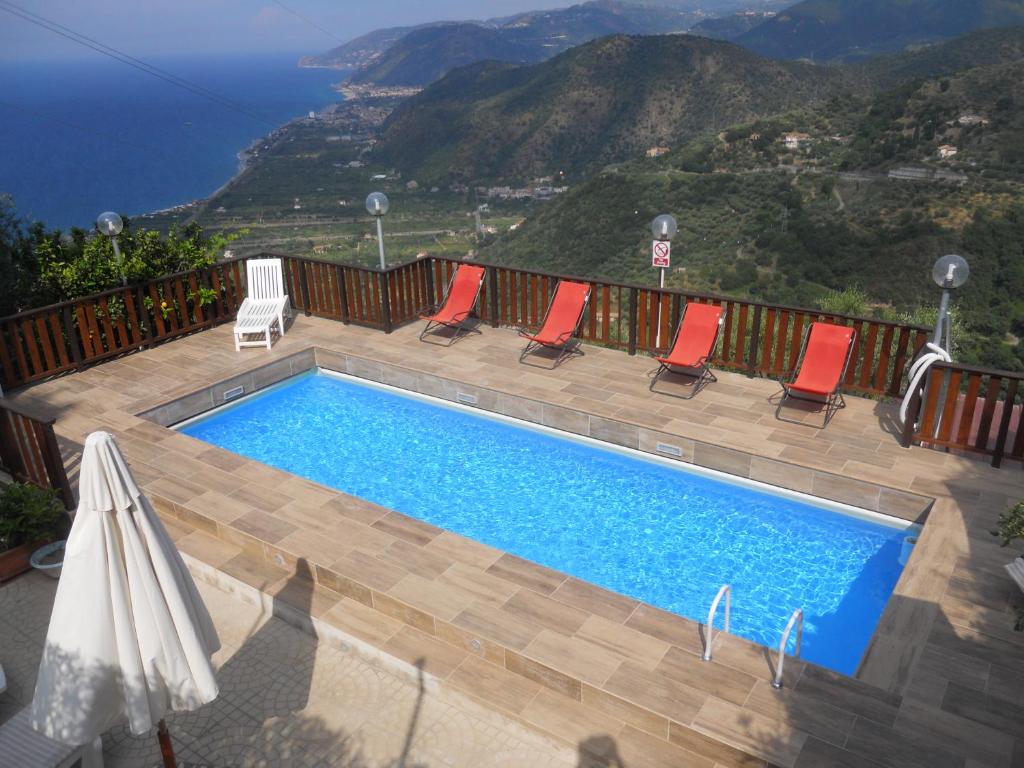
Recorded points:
(29, 451)
(62, 337)
(757, 338)
(969, 409)
(964, 408)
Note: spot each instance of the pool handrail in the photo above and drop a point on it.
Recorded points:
(798, 618)
(725, 590)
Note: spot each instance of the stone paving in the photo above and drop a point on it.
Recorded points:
(288, 700)
(941, 682)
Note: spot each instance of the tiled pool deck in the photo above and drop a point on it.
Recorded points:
(942, 683)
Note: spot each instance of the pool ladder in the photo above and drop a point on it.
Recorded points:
(796, 619)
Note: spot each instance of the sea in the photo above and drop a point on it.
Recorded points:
(79, 137)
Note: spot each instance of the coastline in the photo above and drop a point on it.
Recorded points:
(245, 158)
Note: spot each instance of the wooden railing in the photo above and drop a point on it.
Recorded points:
(29, 451)
(757, 338)
(357, 294)
(970, 409)
(50, 340)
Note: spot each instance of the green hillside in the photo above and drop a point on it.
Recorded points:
(422, 55)
(828, 30)
(790, 225)
(602, 102)
(425, 55)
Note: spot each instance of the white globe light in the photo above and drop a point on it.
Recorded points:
(109, 224)
(377, 204)
(664, 227)
(951, 271)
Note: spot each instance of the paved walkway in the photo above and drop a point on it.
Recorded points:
(287, 700)
(941, 682)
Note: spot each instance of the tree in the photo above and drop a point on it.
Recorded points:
(47, 266)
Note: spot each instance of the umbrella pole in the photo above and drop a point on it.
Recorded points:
(166, 748)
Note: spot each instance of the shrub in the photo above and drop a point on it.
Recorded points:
(1011, 524)
(28, 514)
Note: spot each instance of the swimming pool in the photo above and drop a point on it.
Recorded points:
(645, 527)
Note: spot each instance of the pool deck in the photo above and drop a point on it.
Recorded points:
(942, 683)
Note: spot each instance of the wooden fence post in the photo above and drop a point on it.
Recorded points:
(634, 297)
(342, 293)
(429, 280)
(755, 341)
(492, 296)
(385, 301)
(72, 336)
(304, 288)
(1004, 423)
(55, 465)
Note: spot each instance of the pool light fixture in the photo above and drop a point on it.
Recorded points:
(110, 225)
(377, 205)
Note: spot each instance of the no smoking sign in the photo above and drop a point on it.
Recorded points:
(661, 254)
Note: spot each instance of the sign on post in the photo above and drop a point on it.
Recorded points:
(661, 254)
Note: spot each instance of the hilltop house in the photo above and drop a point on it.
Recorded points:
(947, 151)
(658, 151)
(970, 118)
(795, 140)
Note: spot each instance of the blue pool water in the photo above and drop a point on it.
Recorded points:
(663, 535)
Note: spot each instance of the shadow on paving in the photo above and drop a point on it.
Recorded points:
(260, 717)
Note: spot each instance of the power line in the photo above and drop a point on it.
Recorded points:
(131, 61)
(311, 23)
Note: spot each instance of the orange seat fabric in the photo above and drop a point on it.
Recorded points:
(695, 337)
(827, 348)
(564, 314)
(461, 297)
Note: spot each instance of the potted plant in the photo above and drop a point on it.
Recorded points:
(29, 517)
(1010, 527)
(1011, 524)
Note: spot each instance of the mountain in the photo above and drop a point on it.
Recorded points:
(362, 51)
(425, 55)
(983, 48)
(602, 102)
(421, 55)
(732, 26)
(831, 30)
(762, 218)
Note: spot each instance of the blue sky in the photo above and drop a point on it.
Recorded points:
(166, 27)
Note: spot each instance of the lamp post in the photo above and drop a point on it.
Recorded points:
(377, 204)
(110, 225)
(663, 229)
(949, 273)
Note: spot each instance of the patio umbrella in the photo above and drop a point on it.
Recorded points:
(129, 636)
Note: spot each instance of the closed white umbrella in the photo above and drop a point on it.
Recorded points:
(129, 636)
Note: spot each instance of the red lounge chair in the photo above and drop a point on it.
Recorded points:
(459, 301)
(821, 368)
(693, 347)
(563, 318)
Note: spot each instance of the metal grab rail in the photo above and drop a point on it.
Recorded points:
(798, 619)
(727, 591)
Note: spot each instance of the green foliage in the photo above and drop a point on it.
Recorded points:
(849, 301)
(46, 266)
(28, 514)
(1011, 524)
(854, 29)
(590, 106)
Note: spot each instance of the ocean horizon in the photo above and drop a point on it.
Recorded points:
(80, 137)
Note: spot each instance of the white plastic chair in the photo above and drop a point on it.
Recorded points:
(264, 305)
